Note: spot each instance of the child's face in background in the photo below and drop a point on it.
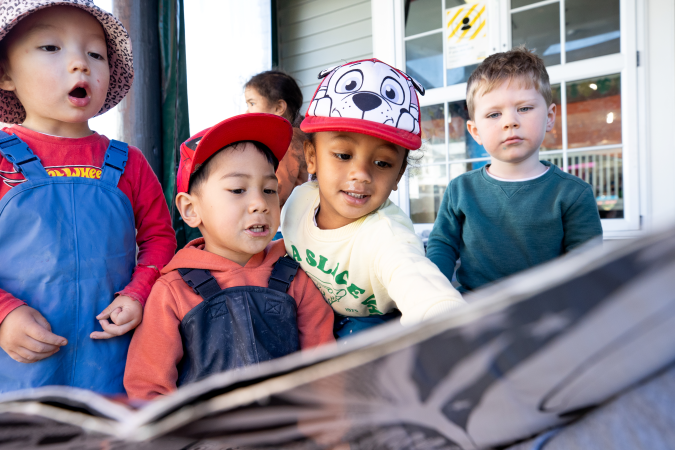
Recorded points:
(257, 103)
(57, 64)
(237, 207)
(356, 174)
(511, 121)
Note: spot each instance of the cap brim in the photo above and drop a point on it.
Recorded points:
(273, 131)
(405, 139)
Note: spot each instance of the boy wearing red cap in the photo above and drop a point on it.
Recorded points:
(84, 228)
(359, 248)
(231, 298)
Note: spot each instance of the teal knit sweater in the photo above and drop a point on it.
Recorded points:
(499, 228)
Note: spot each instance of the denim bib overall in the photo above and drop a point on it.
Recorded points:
(68, 244)
(238, 326)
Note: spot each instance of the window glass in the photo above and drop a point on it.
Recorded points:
(459, 74)
(553, 139)
(519, 3)
(539, 30)
(594, 112)
(433, 133)
(426, 186)
(603, 170)
(424, 60)
(422, 15)
(461, 143)
(591, 29)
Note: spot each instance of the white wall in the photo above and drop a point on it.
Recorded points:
(318, 34)
(659, 123)
(227, 42)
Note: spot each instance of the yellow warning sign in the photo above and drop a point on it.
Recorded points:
(466, 34)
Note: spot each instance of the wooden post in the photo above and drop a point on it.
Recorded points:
(141, 110)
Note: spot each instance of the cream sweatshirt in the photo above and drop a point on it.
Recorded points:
(368, 267)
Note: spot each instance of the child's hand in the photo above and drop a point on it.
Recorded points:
(125, 314)
(27, 337)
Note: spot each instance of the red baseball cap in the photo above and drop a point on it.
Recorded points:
(368, 97)
(273, 131)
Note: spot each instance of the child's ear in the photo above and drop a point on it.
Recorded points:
(280, 108)
(186, 207)
(550, 117)
(473, 131)
(310, 157)
(6, 82)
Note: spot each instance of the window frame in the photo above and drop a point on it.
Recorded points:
(623, 63)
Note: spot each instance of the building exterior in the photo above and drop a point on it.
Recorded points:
(612, 69)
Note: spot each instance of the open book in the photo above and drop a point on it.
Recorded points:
(528, 353)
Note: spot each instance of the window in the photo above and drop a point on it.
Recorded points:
(589, 50)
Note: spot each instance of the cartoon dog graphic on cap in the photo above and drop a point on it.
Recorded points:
(370, 90)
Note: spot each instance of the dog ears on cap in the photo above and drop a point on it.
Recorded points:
(325, 72)
(418, 86)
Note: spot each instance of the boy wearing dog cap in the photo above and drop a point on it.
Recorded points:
(231, 298)
(358, 247)
(73, 204)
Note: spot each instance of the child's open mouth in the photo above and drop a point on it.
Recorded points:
(78, 96)
(78, 92)
(258, 230)
(355, 199)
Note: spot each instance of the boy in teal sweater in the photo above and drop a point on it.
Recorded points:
(518, 211)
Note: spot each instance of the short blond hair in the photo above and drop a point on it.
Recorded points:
(519, 64)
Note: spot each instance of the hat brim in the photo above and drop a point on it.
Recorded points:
(120, 56)
(405, 139)
(273, 131)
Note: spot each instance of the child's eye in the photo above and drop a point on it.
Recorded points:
(270, 191)
(382, 164)
(96, 56)
(50, 48)
(526, 108)
(237, 191)
(493, 116)
(343, 156)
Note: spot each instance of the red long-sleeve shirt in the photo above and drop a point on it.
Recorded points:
(83, 157)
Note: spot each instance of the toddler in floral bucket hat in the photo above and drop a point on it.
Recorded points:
(358, 247)
(118, 51)
(74, 205)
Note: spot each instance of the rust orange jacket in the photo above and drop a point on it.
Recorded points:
(156, 348)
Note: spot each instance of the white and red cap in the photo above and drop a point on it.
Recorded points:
(273, 131)
(368, 97)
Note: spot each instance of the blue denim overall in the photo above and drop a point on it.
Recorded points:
(237, 326)
(67, 244)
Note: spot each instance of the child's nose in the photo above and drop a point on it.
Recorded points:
(79, 64)
(510, 121)
(258, 204)
(360, 172)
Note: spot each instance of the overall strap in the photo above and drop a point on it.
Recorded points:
(22, 158)
(115, 160)
(201, 281)
(283, 273)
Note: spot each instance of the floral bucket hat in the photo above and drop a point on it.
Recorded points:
(120, 58)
